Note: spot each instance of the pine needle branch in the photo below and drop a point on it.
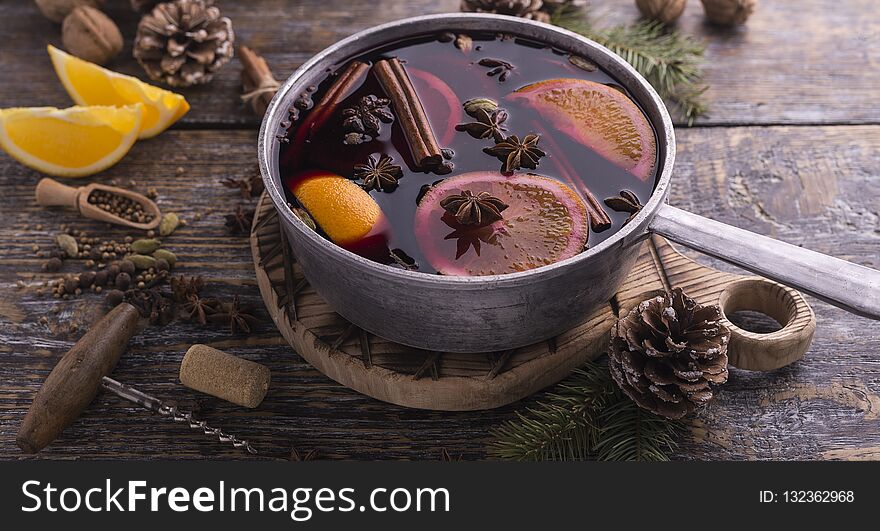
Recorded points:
(587, 417)
(670, 61)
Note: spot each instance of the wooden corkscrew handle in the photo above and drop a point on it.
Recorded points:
(76, 379)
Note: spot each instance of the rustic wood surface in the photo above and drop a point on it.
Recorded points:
(797, 158)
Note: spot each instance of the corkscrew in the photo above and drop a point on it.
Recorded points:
(82, 372)
(173, 412)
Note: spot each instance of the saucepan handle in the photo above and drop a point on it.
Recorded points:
(850, 286)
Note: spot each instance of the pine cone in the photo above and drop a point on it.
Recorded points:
(182, 43)
(668, 353)
(519, 8)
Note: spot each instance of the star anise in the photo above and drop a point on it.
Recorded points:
(367, 116)
(378, 174)
(237, 317)
(182, 288)
(500, 68)
(489, 124)
(467, 237)
(199, 308)
(469, 209)
(250, 187)
(515, 153)
(239, 222)
(627, 202)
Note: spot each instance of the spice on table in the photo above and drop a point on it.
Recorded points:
(142, 261)
(91, 35)
(666, 11)
(169, 224)
(224, 376)
(166, 255)
(145, 246)
(199, 308)
(120, 206)
(239, 222)
(729, 12)
(68, 244)
(250, 187)
(257, 80)
(237, 317)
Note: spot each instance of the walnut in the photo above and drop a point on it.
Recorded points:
(91, 35)
(729, 12)
(56, 10)
(666, 11)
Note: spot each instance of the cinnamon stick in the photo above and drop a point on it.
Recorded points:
(348, 80)
(410, 113)
(599, 220)
(257, 79)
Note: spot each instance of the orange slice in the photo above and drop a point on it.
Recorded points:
(90, 84)
(544, 222)
(343, 210)
(70, 142)
(598, 116)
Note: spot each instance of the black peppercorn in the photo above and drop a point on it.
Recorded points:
(54, 264)
(127, 266)
(114, 298)
(70, 284)
(123, 281)
(113, 271)
(101, 278)
(86, 279)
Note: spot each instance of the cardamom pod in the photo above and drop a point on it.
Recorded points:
(145, 246)
(165, 254)
(471, 107)
(305, 217)
(169, 224)
(68, 244)
(142, 261)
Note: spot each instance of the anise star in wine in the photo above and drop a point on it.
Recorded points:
(367, 116)
(378, 174)
(627, 202)
(235, 316)
(515, 153)
(470, 209)
(467, 237)
(489, 124)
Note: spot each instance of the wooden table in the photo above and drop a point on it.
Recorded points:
(791, 149)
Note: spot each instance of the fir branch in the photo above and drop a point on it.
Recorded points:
(587, 417)
(670, 61)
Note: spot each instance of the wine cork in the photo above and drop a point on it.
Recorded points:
(225, 376)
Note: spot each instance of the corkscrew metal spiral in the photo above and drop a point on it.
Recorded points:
(173, 412)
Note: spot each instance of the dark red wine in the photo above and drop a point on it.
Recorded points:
(511, 72)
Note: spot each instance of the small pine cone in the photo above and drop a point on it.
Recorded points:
(182, 43)
(533, 9)
(668, 353)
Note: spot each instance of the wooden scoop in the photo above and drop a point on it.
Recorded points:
(52, 193)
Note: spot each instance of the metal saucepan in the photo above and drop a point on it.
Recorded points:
(482, 314)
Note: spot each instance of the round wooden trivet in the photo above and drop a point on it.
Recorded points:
(457, 382)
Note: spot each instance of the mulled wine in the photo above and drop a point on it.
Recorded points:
(467, 154)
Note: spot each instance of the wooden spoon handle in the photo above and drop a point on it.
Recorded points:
(52, 193)
(76, 379)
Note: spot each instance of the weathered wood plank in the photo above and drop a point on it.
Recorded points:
(794, 62)
(815, 186)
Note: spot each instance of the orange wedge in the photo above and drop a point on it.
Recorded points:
(70, 142)
(90, 84)
(598, 116)
(343, 210)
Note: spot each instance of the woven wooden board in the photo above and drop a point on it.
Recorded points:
(417, 378)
